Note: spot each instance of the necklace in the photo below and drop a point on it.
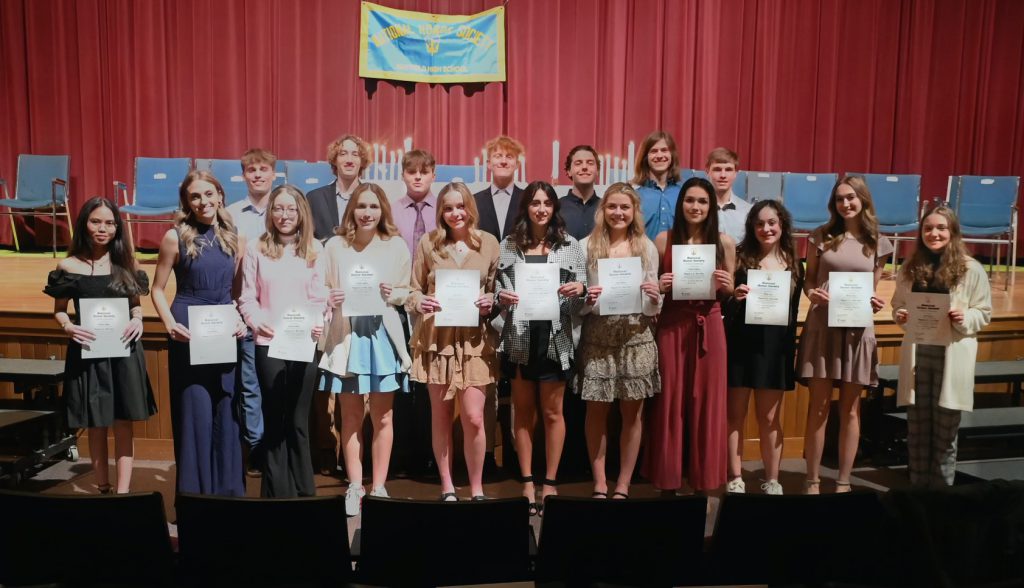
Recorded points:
(101, 264)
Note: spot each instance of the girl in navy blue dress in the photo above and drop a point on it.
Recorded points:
(204, 250)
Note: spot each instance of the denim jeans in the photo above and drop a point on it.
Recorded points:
(250, 398)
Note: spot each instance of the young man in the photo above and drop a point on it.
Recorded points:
(657, 180)
(416, 212)
(499, 202)
(722, 166)
(580, 204)
(250, 216)
(349, 157)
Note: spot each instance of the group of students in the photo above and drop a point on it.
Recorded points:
(696, 360)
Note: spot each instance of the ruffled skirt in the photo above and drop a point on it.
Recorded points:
(618, 357)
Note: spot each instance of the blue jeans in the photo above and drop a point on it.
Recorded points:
(250, 399)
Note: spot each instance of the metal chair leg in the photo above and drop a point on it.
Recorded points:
(14, 233)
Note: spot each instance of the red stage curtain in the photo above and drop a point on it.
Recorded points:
(911, 86)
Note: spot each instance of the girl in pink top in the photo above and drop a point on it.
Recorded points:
(282, 272)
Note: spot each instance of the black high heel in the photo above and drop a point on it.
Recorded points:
(534, 506)
(545, 482)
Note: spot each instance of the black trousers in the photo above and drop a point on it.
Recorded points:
(287, 388)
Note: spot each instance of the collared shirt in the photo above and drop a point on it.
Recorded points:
(577, 214)
(732, 217)
(342, 198)
(250, 221)
(404, 212)
(501, 197)
(658, 206)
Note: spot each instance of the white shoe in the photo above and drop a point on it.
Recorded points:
(353, 499)
(380, 492)
(736, 486)
(772, 487)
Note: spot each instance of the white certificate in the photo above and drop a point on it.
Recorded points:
(768, 299)
(928, 318)
(620, 279)
(457, 290)
(361, 284)
(849, 299)
(293, 339)
(692, 266)
(213, 334)
(537, 287)
(107, 318)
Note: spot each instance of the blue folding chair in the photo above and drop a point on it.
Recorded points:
(229, 173)
(806, 197)
(280, 173)
(763, 186)
(987, 209)
(308, 176)
(41, 190)
(897, 204)
(155, 193)
(452, 173)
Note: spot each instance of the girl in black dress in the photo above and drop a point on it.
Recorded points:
(105, 392)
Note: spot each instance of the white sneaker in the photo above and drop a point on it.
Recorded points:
(380, 492)
(353, 499)
(736, 486)
(772, 487)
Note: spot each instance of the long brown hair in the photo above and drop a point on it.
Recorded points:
(270, 242)
(833, 232)
(599, 241)
(122, 254)
(748, 252)
(385, 226)
(442, 234)
(642, 168)
(925, 269)
(708, 231)
(188, 226)
(522, 233)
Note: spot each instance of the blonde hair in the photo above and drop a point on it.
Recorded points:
(506, 144)
(442, 234)
(385, 226)
(270, 243)
(833, 233)
(187, 225)
(599, 241)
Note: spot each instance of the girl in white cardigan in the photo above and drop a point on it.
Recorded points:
(937, 381)
(365, 356)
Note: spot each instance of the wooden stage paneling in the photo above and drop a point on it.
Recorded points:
(27, 330)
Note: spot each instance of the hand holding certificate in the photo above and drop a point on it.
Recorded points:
(456, 291)
(107, 318)
(928, 318)
(293, 340)
(849, 302)
(692, 269)
(362, 292)
(620, 280)
(536, 285)
(212, 329)
(768, 297)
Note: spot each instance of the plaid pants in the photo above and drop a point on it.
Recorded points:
(931, 429)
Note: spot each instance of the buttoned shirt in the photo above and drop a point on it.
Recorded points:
(342, 198)
(577, 214)
(658, 206)
(405, 218)
(251, 222)
(732, 217)
(501, 197)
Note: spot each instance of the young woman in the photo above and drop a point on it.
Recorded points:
(282, 271)
(761, 357)
(454, 361)
(838, 356)
(937, 381)
(106, 392)
(618, 354)
(690, 411)
(537, 354)
(365, 357)
(205, 253)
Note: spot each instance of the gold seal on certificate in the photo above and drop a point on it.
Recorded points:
(293, 335)
(107, 318)
(456, 291)
(928, 318)
(692, 266)
(849, 299)
(212, 327)
(537, 288)
(768, 298)
(620, 279)
(362, 292)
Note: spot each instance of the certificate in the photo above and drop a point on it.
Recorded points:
(213, 334)
(361, 284)
(768, 299)
(107, 318)
(293, 339)
(849, 299)
(928, 318)
(457, 290)
(692, 266)
(537, 287)
(620, 279)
